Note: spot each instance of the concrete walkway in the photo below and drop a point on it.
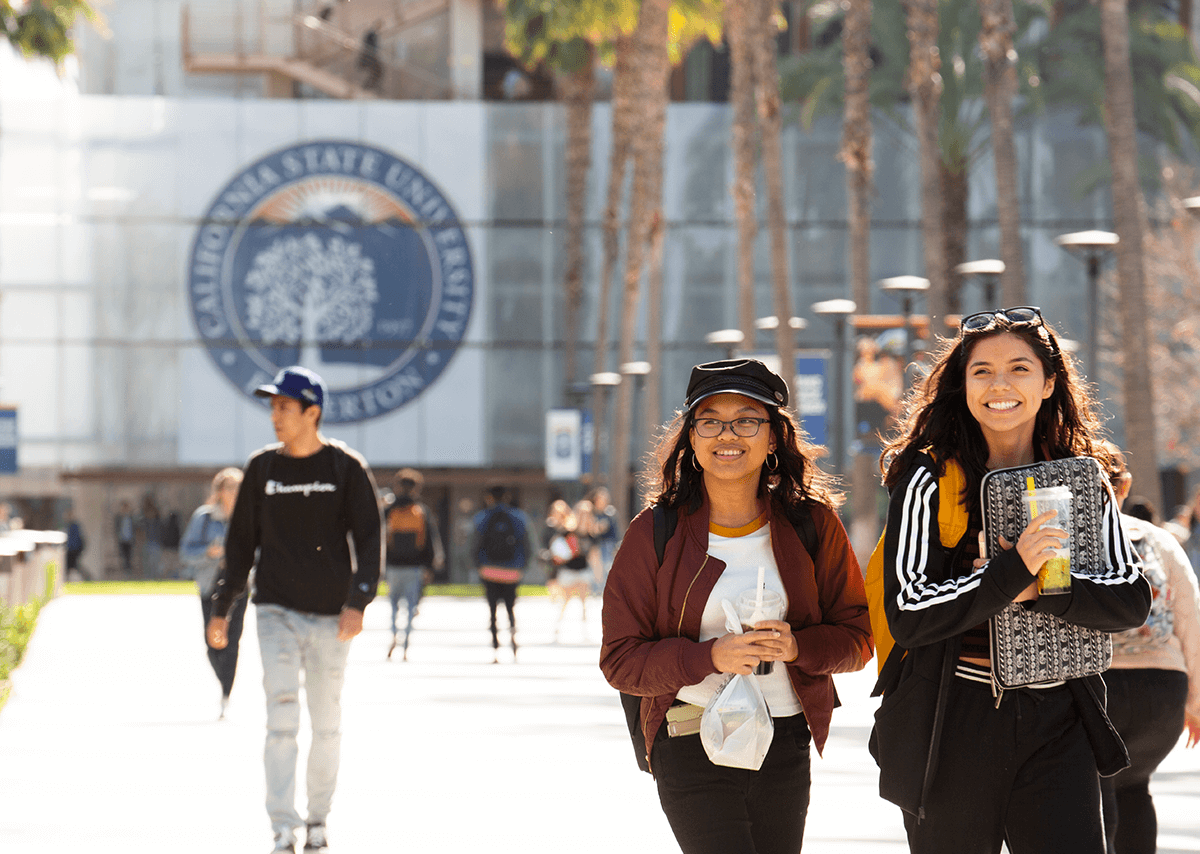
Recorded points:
(110, 743)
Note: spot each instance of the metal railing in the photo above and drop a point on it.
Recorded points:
(307, 47)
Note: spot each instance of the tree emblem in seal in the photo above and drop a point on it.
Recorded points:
(340, 257)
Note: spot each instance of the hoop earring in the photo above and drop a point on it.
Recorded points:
(696, 464)
(770, 467)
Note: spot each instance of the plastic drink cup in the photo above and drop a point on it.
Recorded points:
(1055, 574)
(751, 612)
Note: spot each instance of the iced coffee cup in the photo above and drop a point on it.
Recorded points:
(1054, 576)
(751, 611)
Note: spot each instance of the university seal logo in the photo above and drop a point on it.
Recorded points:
(339, 257)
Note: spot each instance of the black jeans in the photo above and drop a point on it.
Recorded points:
(496, 593)
(1147, 708)
(1023, 774)
(224, 661)
(717, 810)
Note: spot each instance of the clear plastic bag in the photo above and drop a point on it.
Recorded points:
(736, 728)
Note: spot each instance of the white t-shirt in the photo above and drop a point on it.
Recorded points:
(743, 556)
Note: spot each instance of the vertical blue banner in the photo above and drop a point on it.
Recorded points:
(8, 440)
(587, 435)
(809, 387)
(810, 393)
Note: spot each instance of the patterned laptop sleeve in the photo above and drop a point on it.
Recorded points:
(1030, 647)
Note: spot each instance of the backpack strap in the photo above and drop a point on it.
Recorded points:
(806, 529)
(665, 520)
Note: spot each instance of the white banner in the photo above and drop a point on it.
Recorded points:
(564, 444)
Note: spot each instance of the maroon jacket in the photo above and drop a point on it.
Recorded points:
(652, 614)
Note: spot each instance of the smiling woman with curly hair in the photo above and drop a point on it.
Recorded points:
(738, 479)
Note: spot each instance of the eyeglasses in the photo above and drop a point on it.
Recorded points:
(1022, 315)
(711, 428)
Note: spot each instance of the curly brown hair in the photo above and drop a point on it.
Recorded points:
(673, 479)
(936, 419)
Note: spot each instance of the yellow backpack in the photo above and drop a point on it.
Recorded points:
(952, 524)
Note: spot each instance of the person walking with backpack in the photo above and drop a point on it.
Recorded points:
(739, 481)
(202, 551)
(300, 505)
(414, 550)
(501, 551)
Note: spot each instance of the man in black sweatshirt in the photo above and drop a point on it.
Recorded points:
(301, 504)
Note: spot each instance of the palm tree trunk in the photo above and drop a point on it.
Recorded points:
(578, 90)
(856, 153)
(650, 71)
(956, 193)
(924, 84)
(739, 27)
(856, 147)
(767, 82)
(1140, 435)
(1000, 87)
(622, 149)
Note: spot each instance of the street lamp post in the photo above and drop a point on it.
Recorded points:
(1093, 247)
(637, 371)
(730, 339)
(988, 271)
(907, 288)
(838, 310)
(603, 383)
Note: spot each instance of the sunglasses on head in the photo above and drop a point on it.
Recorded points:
(1022, 315)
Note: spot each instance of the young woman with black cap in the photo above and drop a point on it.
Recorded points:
(737, 474)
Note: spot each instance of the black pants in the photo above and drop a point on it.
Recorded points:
(1023, 774)
(717, 810)
(496, 593)
(224, 661)
(1147, 708)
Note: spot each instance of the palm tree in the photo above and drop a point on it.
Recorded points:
(924, 84)
(1140, 434)
(650, 65)
(42, 30)
(577, 88)
(739, 27)
(767, 84)
(856, 146)
(856, 155)
(1000, 87)
(623, 88)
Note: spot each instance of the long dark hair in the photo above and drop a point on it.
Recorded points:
(936, 418)
(674, 479)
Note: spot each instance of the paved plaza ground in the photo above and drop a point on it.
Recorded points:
(111, 743)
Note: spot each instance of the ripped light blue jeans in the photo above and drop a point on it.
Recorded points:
(292, 642)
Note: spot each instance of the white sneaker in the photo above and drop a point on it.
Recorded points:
(315, 840)
(284, 844)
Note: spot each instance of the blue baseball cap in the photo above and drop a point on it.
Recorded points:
(297, 383)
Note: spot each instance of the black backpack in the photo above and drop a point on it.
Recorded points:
(500, 542)
(665, 520)
(172, 531)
